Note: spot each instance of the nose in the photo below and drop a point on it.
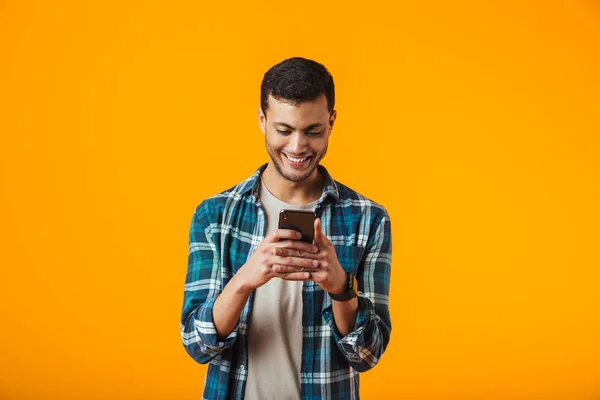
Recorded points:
(298, 143)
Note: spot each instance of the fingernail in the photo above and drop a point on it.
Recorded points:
(315, 249)
(306, 275)
(315, 263)
(298, 234)
(276, 267)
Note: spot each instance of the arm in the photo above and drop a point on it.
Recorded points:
(344, 314)
(229, 305)
(202, 289)
(213, 303)
(365, 344)
(254, 273)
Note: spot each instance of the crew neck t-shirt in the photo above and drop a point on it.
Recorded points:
(275, 325)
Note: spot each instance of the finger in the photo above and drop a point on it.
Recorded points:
(297, 245)
(318, 232)
(287, 269)
(297, 276)
(320, 238)
(285, 252)
(295, 262)
(279, 234)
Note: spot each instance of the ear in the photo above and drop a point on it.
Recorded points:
(262, 120)
(332, 119)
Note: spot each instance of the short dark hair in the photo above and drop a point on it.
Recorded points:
(296, 80)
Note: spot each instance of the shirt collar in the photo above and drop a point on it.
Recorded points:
(330, 188)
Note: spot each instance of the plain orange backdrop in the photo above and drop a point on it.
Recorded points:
(475, 123)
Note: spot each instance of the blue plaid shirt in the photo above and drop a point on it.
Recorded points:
(225, 230)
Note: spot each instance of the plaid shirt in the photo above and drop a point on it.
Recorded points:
(225, 230)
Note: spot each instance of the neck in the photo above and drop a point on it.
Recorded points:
(296, 193)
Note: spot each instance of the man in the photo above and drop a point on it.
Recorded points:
(276, 317)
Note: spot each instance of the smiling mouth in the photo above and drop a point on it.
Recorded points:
(297, 160)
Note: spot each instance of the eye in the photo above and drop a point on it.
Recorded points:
(314, 133)
(282, 132)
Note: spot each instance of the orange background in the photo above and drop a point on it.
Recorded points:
(475, 123)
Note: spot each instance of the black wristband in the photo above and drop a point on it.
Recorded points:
(350, 291)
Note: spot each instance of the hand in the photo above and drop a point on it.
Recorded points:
(277, 255)
(329, 274)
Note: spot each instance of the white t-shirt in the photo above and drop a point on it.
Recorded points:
(275, 325)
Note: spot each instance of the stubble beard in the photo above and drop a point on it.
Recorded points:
(293, 178)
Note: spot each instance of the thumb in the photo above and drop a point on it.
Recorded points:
(319, 237)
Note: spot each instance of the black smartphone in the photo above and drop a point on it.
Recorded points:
(301, 221)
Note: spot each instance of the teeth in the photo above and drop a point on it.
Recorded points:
(296, 160)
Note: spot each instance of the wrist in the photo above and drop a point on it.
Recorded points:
(342, 284)
(349, 291)
(241, 286)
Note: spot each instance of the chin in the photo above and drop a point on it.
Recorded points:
(290, 174)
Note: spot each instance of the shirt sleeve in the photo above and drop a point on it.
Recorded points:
(364, 346)
(203, 284)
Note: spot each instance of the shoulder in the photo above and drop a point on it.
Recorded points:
(370, 219)
(360, 203)
(214, 207)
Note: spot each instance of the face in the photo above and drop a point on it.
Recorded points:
(297, 136)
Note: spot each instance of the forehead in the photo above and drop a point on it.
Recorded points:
(281, 110)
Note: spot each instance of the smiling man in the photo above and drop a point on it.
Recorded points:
(273, 316)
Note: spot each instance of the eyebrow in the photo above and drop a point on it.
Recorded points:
(306, 129)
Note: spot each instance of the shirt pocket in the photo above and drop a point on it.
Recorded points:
(349, 257)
